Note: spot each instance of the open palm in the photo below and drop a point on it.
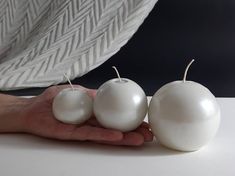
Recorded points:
(39, 120)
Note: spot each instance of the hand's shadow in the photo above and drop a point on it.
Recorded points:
(29, 142)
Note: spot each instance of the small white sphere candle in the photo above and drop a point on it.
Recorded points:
(72, 106)
(184, 115)
(120, 104)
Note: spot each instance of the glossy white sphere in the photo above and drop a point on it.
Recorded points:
(120, 105)
(72, 106)
(184, 115)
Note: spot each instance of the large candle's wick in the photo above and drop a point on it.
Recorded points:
(120, 79)
(186, 70)
(69, 81)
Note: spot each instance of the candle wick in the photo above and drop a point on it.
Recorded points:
(69, 81)
(120, 79)
(186, 70)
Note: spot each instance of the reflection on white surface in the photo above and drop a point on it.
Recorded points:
(207, 106)
(136, 99)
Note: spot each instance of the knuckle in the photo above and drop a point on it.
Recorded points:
(50, 92)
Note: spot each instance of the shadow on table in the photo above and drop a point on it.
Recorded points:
(29, 142)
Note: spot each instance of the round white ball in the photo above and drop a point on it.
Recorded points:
(120, 105)
(72, 106)
(184, 115)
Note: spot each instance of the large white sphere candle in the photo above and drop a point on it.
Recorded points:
(72, 106)
(120, 104)
(184, 115)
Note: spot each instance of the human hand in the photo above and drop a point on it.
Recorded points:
(38, 119)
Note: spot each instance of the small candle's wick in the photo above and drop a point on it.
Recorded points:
(120, 79)
(186, 70)
(69, 81)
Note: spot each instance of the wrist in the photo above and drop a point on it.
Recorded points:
(12, 113)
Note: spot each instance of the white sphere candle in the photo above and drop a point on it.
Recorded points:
(72, 105)
(120, 104)
(184, 115)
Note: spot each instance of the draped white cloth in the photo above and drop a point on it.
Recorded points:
(42, 39)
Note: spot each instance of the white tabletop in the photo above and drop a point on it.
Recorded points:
(24, 155)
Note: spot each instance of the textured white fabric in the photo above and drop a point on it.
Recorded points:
(42, 39)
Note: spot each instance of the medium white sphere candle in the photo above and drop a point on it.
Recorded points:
(72, 105)
(120, 104)
(184, 115)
